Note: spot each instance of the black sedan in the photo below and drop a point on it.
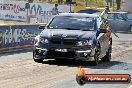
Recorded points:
(76, 36)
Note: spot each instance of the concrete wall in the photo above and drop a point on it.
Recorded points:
(128, 6)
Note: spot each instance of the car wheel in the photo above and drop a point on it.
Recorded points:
(130, 28)
(107, 57)
(96, 56)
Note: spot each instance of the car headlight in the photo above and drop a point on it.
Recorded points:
(44, 40)
(90, 42)
(36, 39)
(85, 43)
(80, 43)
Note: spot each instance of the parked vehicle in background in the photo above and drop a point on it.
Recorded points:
(120, 21)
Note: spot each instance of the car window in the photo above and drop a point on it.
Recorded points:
(119, 16)
(70, 22)
(110, 16)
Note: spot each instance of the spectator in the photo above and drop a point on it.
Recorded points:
(109, 1)
(60, 1)
(118, 3)
(68, 1)
(55, 10)
(50, 1)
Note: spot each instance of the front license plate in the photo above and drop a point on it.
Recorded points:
(61, 50)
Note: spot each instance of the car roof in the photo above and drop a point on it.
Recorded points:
(118, 12)
(79, 15)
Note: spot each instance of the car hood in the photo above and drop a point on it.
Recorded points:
(67, 33)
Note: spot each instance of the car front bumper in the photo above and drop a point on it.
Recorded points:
(77, 54)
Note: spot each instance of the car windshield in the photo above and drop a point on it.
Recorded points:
(72, 23)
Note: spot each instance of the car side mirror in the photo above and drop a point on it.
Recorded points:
(42, 27)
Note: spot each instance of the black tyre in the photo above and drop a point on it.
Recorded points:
(107, 57)
(38, 60)
(96, 56)
(130, 28)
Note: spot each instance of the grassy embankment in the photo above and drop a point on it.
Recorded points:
(91, 3)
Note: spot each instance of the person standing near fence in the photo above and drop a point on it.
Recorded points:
(118, 3)
(60, 1)
(109, 1)
(55, 10)
(50, 1)
(68, 1)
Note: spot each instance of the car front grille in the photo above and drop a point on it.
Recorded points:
(55, 41)
(64, 41)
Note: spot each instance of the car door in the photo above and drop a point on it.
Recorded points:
(120, 22)
(129, 21)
